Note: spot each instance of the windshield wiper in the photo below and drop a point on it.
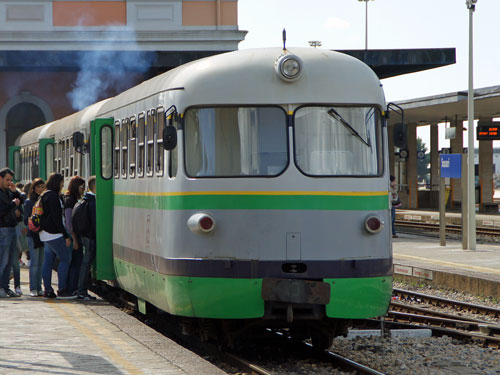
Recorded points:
(332, 112)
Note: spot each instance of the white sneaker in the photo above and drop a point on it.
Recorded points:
(3, 294)
(11, 293)
(34, 293)
(18, 290)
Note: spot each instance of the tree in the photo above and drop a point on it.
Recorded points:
(423, 169)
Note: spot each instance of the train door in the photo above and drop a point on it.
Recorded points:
(15, 162)
(101, 151)
(46, 154)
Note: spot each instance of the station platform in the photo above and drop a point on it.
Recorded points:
(42, 336)
(491, 220)
(423, 260)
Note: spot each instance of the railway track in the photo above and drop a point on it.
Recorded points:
(457, 326)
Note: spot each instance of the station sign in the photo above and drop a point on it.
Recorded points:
(488, 131)
(450, 165)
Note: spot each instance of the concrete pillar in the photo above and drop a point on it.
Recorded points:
(411, 166)
(485, 171)
(434, 150)
(457, 147)
(434, 157)
(390, 138)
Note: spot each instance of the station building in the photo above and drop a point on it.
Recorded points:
(57, 57)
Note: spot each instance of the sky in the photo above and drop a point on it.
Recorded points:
(392, 24)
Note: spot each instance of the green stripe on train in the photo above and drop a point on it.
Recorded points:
(253, 202)
(232, 298)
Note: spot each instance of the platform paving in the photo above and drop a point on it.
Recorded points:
(477, 271)
(39, 336)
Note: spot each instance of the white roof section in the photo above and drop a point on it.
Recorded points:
(249, 77)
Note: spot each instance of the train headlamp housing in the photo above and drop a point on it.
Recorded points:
(373, 224)
(289, 67)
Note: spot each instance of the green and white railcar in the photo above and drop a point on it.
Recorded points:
(271, 206)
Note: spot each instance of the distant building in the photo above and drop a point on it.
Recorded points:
(57, 57)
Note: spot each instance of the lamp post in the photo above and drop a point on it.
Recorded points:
(471, 186)
(366, 22)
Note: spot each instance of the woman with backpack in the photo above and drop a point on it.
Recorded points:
(76, 188)
(34, 243)
(54, 235)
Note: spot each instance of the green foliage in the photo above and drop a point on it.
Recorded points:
(423, 165)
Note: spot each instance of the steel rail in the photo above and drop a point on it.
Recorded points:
(439, 301)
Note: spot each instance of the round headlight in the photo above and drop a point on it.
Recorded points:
(289, 67)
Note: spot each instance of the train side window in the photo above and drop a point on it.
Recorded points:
(132, 146)
(30, 161)
(107, 152)
(150, 131)
(173, 160)
(160, 161)
(49, 156)
(117, 150)
(124, 133)
(72, 165)
(67, 166)
(140, 142)
(36, 163)
(23, 166)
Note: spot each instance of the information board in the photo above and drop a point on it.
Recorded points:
(451, 165)
(488, 131)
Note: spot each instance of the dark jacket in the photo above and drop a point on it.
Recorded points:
(28, 208)
(52, 219)
(8, 208)
(69, 203)
(92, 213)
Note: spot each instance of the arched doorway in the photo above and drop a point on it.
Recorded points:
(21, 118)
(19, 114)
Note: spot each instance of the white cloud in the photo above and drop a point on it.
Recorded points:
(336, 23)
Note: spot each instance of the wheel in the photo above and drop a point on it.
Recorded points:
(321, 340)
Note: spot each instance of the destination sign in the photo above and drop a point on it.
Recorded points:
(488, 132)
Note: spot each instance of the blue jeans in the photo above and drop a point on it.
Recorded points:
(393, 219)
(36, 256)
(88, 260)
(15, 268)
(8, 254)
(56, 248)
(74, 267)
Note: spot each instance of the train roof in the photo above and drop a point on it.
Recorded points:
(249, 77)
(63, 127)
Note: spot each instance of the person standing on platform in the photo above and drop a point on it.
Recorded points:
(35, 245)
(54, 235)
(89, 243)
(76, 189)
(10, 215)
(395, 202)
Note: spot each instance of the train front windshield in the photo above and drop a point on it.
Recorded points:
(338, 141)
(253, 141)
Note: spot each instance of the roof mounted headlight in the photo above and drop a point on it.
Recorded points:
(289, 67)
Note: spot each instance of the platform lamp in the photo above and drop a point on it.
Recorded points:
(366, 21)
(471, 196)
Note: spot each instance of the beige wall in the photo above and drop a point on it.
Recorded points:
(209, 13)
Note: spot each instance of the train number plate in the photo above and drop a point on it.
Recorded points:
(296, 291)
